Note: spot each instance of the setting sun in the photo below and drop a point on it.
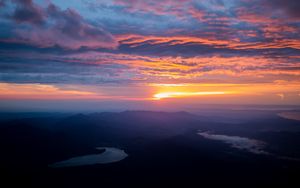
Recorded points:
(186, 94)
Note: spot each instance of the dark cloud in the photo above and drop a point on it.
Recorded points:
(26, 11)
(55, 27)
(150, 48)
(291, 7)
(265, 11)
(47, 68)
(169, 49)
(2, 3)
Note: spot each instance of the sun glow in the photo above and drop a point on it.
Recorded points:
(186, 94)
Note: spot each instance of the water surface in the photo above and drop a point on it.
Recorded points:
(110, 155)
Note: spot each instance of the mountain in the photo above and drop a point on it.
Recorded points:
(163, 148)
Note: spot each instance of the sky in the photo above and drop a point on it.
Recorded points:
(149, 51)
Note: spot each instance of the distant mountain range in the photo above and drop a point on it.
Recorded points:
(163, 145)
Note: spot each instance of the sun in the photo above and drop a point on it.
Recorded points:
(163, 95)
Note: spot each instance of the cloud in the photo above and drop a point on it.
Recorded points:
(268, 11)
(189, 46)
(290, 115)
(39, 91)
(27, 11)
(51, 26)
(168, 7)
(24, 67)
(241, 143)
(139, 41)
(291, 7)
(180, 9)
(119, 68)
(2, 3)
(281, 95)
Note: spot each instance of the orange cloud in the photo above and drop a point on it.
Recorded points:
(41, 91)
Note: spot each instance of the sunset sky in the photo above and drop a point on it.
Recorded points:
(214, 51)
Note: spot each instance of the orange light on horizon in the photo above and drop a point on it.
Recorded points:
(159, 96)
(279, 92)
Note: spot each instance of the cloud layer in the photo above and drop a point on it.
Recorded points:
(50, 26)
(134, 42)
(241, 143)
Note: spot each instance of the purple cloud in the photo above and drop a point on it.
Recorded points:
(138, 40)
(291, 7)
(51, 26)
(27, 11)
